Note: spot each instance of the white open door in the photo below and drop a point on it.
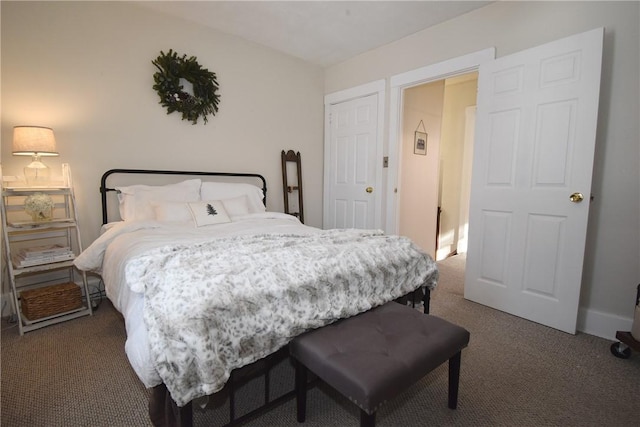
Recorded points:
(353, 163)
(530, 190)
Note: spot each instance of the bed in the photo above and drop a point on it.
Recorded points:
(210, 282)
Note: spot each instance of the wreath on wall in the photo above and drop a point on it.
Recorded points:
(173, 70)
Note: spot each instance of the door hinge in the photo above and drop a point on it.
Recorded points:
(385, 162)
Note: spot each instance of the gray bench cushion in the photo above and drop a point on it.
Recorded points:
(372, 357)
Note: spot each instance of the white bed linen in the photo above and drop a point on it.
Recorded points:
(123, 241)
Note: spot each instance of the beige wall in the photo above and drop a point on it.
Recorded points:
(418, 189)
(84, 69)
(612, 270)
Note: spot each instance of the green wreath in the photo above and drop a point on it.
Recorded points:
(172, 68)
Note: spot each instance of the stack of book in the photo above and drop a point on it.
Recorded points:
(42, 255)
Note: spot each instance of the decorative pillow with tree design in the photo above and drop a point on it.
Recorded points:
(208, 213)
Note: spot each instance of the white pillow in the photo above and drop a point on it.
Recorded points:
(226, 190)
(208, 213)
(173, 212)
(137, 201)
(237, 206)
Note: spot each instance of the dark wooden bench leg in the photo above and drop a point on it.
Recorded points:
(367, 420)
(301, 391)
(454, 379)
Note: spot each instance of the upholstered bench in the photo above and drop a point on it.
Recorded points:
(372, 357)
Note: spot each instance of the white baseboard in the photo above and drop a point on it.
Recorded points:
(603, 325)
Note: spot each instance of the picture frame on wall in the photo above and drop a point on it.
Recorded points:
(420, 143)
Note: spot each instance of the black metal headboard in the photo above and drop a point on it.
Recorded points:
(104, 189)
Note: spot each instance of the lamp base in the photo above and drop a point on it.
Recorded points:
(37, 174)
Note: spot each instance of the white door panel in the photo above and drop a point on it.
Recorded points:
(352, 166)
(534, 147)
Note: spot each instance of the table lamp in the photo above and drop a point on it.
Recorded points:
(35, 141)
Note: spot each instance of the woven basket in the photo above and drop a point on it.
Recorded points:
(51, 300)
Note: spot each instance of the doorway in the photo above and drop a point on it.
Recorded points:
(398, 129)
(533, 162)
(433, 208)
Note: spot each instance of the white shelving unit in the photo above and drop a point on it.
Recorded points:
(21, 232)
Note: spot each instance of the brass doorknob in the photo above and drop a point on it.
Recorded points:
(369, 190)
(576, 197)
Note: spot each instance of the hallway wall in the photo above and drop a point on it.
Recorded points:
(418, 185)
(459, 93)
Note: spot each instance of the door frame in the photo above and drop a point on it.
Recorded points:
(377, 87)
(398, 83)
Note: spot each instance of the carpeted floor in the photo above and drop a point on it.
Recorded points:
(514, 373)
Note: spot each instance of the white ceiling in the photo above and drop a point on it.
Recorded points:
(321, 32)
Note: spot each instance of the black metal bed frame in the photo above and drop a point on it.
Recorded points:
(183, 416)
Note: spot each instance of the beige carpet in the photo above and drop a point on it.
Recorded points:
(514, 373)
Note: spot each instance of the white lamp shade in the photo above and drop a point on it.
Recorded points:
(33, 141)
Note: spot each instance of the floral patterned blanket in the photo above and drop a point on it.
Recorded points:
(225, 303)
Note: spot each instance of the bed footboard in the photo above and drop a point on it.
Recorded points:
(426, 300)
(414, 297)
(164, 412)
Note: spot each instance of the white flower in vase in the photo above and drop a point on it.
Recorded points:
(39, 206)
